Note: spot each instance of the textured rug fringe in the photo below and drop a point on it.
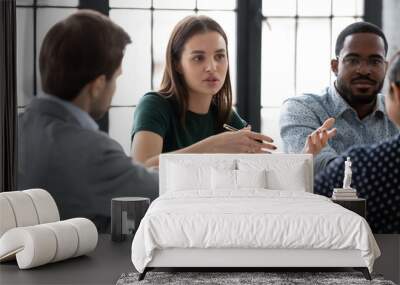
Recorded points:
(244, 278)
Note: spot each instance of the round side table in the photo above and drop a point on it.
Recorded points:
(126, 214)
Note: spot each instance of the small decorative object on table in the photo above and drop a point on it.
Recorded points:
(345, 193)
(126, 214)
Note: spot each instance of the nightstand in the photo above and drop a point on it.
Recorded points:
(358, 206)
(126, 214)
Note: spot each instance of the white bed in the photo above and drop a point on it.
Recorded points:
(247, 211)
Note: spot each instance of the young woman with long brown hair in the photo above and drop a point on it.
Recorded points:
(187, 114)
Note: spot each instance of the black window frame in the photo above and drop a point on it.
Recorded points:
(249, 23)
(248, 39)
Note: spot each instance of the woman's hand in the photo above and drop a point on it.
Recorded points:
(242, 141)
(318, 139)
(147, 146)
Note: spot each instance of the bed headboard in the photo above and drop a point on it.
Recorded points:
(286, 170)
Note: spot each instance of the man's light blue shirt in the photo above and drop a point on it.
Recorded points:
(301, 115)
(84, 119)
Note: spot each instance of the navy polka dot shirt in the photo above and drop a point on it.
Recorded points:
(376, 177)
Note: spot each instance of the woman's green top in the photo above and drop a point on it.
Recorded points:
(158, 114)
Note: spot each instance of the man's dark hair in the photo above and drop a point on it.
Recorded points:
(357, 28)
(394, 69)
(77, 50)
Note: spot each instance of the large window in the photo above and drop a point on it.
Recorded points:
(298, 42)
(298, 38)
(34, 19)
(149, 23)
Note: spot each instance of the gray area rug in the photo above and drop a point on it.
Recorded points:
(269, 278)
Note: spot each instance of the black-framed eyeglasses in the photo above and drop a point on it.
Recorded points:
(355, 62)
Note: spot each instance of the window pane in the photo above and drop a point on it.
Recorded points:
(313, 55)
(120, 126)
(279, 7)
(314, 7)
(220, 4)
(338, 24)
(24, 55)
(277, 71)
(46, 18)
(73, 3)
(130, 3)
(348, 7)
(136, 66)
(174, 4)
(24, 2)
(164, 22)
(270, 125)
(227, 20)
(20, 110)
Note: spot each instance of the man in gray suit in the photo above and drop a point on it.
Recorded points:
(60, 146)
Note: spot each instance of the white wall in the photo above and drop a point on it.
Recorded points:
(391, 24)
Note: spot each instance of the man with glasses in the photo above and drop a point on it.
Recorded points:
(353, 100)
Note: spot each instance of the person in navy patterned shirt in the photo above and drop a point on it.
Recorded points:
(376, 168)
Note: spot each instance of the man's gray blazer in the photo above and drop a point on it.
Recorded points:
(81, 168)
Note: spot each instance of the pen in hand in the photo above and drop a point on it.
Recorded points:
(229, 128)
(233, 129)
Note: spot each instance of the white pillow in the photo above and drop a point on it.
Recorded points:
(281, 173)
(184, 176)
(223, 179)
(237, 179)
(278, 179)
(251, 178)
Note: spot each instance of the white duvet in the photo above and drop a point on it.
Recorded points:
(252, 218)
